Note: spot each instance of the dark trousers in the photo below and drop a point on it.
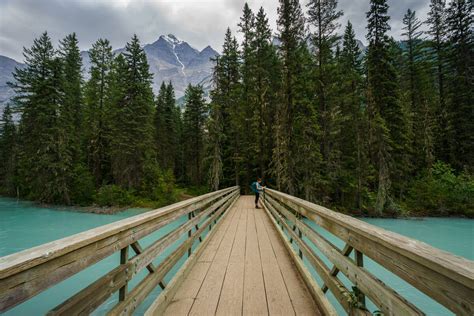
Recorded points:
(257, 196)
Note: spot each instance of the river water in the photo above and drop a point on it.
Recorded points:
(24, 225)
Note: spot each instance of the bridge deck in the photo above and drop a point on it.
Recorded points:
(245, 269)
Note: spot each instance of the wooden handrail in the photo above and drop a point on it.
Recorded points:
(446, 278)
(29, 272)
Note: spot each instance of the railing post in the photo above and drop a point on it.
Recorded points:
(189, 235)
(359, 258)
(123, 260)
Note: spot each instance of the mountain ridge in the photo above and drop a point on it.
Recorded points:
(170, 59)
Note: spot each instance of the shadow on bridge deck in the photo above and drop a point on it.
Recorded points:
(244, 269)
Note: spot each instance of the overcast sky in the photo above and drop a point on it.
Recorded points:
(199, 22)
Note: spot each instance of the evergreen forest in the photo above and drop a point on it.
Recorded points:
(387, 130)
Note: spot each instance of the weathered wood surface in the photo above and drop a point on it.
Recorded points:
(447, 278)
(243, 260)
(384, 297)
(27, 273)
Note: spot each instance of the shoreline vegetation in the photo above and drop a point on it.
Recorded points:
(386, 130)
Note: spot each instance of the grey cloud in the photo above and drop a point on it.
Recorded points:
(199, 22)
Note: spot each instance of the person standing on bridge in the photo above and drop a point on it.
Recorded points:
(257, 188)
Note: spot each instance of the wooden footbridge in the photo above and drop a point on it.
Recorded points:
(234, 259)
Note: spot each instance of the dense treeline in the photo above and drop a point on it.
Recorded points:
(381, 131)
(107, 140)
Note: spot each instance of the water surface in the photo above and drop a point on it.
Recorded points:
(24, 225)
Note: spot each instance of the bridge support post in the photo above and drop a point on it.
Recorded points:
(359, 258)
(123, 260)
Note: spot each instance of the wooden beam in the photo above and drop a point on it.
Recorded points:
(340, 292)
(96, 293)
(334, 271)
(446, 278)
(161, 303)
(141, 291)
(389, 301)
(123, 260)
(321, 301)
(27, 273)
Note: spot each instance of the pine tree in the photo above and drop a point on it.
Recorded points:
(193, 131)
(225, 99)
(323, 16)
(386, 117)
(71, 112)
(8, 149)
(420, 93)
(353, 144)
(266, 96)
(97, 111)
(215, 126)
(461, 76)
(437, 30)
(43, 157)
(243, 111)
(165, 127)
(132, 130)
(291, 34)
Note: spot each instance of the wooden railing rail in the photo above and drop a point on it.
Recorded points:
(29, 272)
(446, 278)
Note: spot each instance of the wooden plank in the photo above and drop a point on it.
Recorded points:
(208, 296)
(302, 302)
(28, 258)
(141, 291)
(102, 288)
(123, 260)
(336, 287)
(231, 297)
(346, 251)
(27, 273)
(255, 300)
(446, 278)
(160, 304)
(388, 301)
(323, 304)
(278, 299)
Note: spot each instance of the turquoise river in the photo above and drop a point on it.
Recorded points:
(24, 225)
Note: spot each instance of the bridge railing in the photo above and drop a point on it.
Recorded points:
(446, 278)
(27, 273)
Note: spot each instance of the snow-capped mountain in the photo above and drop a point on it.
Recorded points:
(170, 59)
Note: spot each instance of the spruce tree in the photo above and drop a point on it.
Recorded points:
(323, 17)
(420, 93)
(43, 156)
(194, 119)
(97, 111)
(291, 34)
(353, 141)
(461, 76)
(8, 149)
(215, 126)
(225, 99)
(266, 96)
(386, 117)
(131, 140)
(437, 42)
(71, 112)
(246, 105)
(165, 127)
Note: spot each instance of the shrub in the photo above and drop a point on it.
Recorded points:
(443, 192)
(109, 195)
(82, 189)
